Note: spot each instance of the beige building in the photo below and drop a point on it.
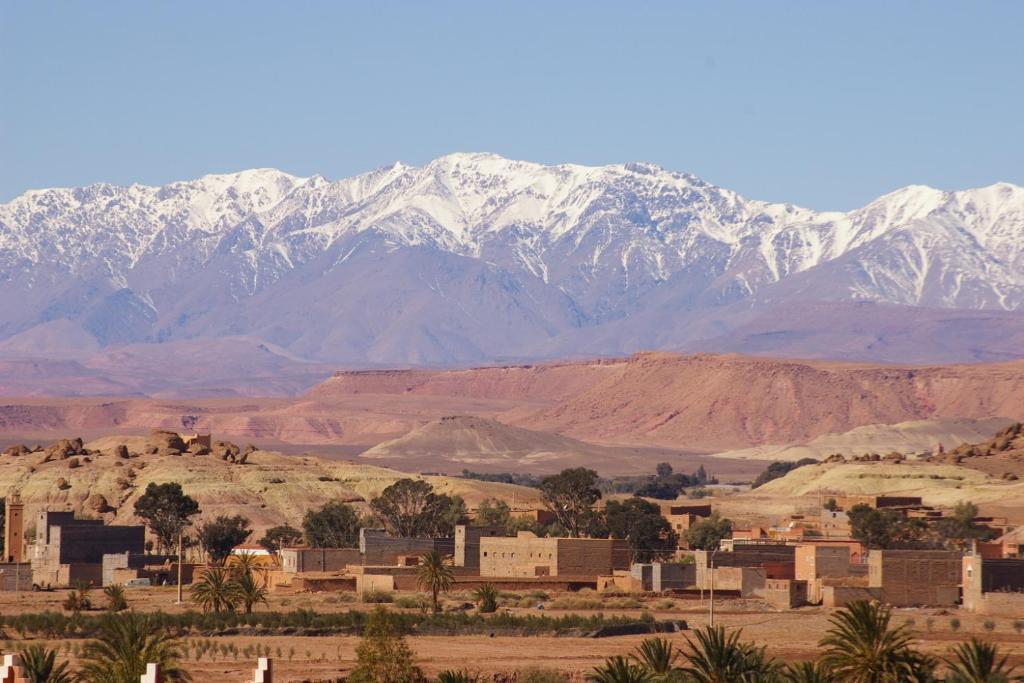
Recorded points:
(526, 555)
(299, 560)
(993, 586)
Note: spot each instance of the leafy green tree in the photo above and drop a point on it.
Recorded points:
(831, 505)
(279, 537)
(220, 535)
(126, 643)
(570, 496)
(958, 529)
(715, 656)
(116, 601)
(779, 469)
(486, 597)
(335, 525)
(707, 533)
(619, 669)
(884, 529)
(167, 511)
(435, 575)
(978, 662)
(410, 508)
(382, 655)
(861, 646)
(494, 512)
(216, 591)
(40, 666)
(640, 522)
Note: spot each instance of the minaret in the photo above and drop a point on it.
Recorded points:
(14, 529)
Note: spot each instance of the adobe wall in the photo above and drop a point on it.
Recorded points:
(590, 556)
(518, 556)
(841, 596)
(784, 593)
(297, 560)
(15, 576)
(467, 543)
(994, 587)
(88, 544)
(815, 562)
(378, 548)
(672, 576)
(914, 578)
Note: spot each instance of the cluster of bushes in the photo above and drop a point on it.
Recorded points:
(56, 625)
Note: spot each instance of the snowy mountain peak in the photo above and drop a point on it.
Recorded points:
(548, 248)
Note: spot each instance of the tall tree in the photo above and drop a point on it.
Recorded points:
(335, 525)
(435, 575)
(220, 535)
(216, 591)
(570, 496)
(167, 511)
(640, 522)
(706, 534)
(279, 537)
(382, 655)
(409, 508)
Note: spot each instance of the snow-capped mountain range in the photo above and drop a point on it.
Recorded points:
(474, 257)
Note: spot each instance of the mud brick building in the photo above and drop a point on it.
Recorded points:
(299, 560)
(68, 549)
(912, 578)
(377, 547)
(993, 586)
(467, 543)
(526, 555)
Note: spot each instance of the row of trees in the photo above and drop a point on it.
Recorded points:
(886, 529)
(409, 508)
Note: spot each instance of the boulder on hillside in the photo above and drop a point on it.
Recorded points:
(17, 450)
(98, 504)
(161, 439)
(122, 452)
(65, 448)
(225, 450)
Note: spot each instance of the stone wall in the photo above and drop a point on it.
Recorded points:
(785, 593)
(15, 576)
(526, 555)
(815, 562)
(467, 543)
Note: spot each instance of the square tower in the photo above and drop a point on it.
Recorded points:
(14, 529)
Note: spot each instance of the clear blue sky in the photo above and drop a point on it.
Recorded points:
(826, 104)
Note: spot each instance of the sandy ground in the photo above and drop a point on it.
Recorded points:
(789, 635)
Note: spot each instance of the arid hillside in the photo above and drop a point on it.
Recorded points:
(696, 403)
(270, 488)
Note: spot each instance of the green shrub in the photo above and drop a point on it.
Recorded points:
(954, 624)
(378, 597)
(989, 625)
(412, 602)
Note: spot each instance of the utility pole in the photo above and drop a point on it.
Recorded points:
(711, 601)
(180, 601)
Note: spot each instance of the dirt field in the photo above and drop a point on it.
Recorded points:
(789, 635)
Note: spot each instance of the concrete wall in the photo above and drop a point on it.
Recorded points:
(912, 578)
(993, 587)
(297, 560)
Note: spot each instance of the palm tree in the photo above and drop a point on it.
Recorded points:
(978, 662)
(116, 601)
(718, 657)
(217, 591)
(435, 575)
(487, 597)
(618, 669)
(40, 665)
(246, 563)
(806, 672)
(126, 643)
(860, 647)
(657, 656)
(251, 591)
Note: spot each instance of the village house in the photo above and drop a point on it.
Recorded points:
(526, 555)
